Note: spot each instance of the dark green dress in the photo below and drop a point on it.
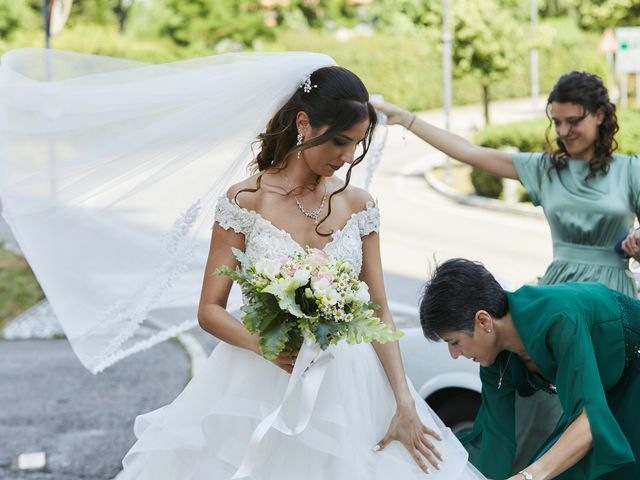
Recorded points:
(585, 340)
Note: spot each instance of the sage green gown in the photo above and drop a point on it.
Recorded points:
(585, 340)
(587, 218)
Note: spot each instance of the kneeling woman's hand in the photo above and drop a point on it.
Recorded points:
(407, 428)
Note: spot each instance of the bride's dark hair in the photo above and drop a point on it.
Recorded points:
(338, 100)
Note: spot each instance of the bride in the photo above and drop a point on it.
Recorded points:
(116, 171)
(365, 409)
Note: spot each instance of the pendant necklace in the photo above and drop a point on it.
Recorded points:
(504, 370)
(313, 214)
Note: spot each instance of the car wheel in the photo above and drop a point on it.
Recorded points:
(457, 408)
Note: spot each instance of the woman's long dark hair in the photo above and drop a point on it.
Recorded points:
(338, 100)
(587, 90)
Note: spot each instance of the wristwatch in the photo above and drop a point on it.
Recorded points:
(526, 475)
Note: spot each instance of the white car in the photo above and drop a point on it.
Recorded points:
(450, 387)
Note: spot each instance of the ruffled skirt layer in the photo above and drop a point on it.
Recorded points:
(205, 431)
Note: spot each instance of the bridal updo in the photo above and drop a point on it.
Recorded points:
(334, 98)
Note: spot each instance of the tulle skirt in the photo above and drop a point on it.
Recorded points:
(204, 432)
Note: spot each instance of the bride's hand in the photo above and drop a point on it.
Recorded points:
(407, 428)
(395, 114)
(286, 361)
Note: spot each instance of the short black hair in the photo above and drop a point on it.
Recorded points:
(457, 290)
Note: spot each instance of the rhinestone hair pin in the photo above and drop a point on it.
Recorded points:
(306, 84)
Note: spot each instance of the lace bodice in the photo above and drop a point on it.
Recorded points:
(265, 240)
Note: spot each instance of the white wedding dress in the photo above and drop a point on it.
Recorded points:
(203, 434)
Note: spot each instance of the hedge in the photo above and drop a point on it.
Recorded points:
(529, 136)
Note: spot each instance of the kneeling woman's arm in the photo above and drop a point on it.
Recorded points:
(571, 447)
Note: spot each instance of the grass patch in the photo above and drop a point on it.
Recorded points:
(19, 288)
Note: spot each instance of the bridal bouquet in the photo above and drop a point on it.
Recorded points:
(310, 294)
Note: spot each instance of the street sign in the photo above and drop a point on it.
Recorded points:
(628, 54)
(608, 42)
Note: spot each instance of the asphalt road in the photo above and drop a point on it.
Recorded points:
(50, 403)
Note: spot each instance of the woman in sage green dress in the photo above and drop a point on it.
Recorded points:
(590, 197)
(589, 194)
(579, 341)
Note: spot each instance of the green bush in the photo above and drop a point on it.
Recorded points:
(404, 69)
(529, 136)
(629, 135)
(485, 184)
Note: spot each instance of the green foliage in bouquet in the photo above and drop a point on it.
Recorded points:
(310, 295)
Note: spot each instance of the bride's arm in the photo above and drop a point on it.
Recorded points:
(212, 314)
(406, 426)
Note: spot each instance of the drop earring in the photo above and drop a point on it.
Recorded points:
(299, 141)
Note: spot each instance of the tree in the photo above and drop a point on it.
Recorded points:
(207, 22)
(93, 11)
(487, 42)
(600, 14)
(15, 16)
(103, 12)
(555, 8)
(319, 12)
(121, 9)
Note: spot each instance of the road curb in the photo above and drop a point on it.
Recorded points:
(478, 201)
(197, 354)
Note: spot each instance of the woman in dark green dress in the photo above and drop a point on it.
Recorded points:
(580, 341)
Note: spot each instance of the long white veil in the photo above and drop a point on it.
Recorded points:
(109, 173)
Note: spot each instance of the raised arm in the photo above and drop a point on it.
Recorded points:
(405, 426)
(496, 162)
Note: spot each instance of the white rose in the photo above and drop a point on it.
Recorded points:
(363, 293)
(320, 285)
(267, 267)
(330, 296)
(302, 276)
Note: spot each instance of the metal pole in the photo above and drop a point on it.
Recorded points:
(447, 78)
(535, 75)
(45, 13)
(624, 90)
(50, 144)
